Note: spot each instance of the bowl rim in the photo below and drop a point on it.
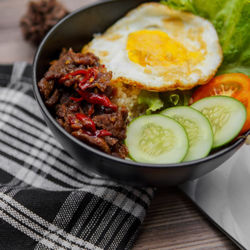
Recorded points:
(127, 162)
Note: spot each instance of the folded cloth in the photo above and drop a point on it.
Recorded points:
(47, 201)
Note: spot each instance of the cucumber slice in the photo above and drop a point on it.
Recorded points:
(226, 115)
(198, 128)
(156, 139)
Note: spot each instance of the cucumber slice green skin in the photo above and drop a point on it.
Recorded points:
(226, 115)
(156, 139)
(198, 128)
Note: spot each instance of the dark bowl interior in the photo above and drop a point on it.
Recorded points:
(74, 31)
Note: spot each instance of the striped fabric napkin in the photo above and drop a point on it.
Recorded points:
(47, 201)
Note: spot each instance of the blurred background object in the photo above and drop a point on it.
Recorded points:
(13, 47)
(40, 17)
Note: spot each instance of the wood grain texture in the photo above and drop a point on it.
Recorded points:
(172, 221)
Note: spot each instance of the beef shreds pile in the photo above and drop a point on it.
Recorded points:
(77, 91)
(41, 16)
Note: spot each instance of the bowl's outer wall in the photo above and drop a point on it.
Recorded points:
(127, 174)
(74, 31)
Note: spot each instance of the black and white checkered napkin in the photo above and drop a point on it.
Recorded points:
(46, 200)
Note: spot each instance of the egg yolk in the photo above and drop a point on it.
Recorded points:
(156, 48)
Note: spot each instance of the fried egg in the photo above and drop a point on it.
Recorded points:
(157, 48)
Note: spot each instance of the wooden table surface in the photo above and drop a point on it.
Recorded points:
(172, 222)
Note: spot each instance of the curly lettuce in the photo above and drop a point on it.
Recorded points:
(151, 100)
(157, 101)
(231, 19)
(175, 98)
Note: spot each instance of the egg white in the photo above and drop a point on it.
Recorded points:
(191, 31)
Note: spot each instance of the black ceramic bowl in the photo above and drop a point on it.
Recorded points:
(74, 31)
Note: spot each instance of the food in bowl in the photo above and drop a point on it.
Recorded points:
(90, 111)
(77, 91)
(157, 48)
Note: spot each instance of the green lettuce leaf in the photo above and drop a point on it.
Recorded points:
(231, 19)
(185, 5)
(151, 99)
(157, 101)
(175, 98)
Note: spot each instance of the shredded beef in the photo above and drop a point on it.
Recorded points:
(46, 87)
(85, 59)
(103, 80)
(53, 99)
(115, 122)
(120, 150)
(70, 88)
(69, 62)
(111, 140)
(92, 140)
